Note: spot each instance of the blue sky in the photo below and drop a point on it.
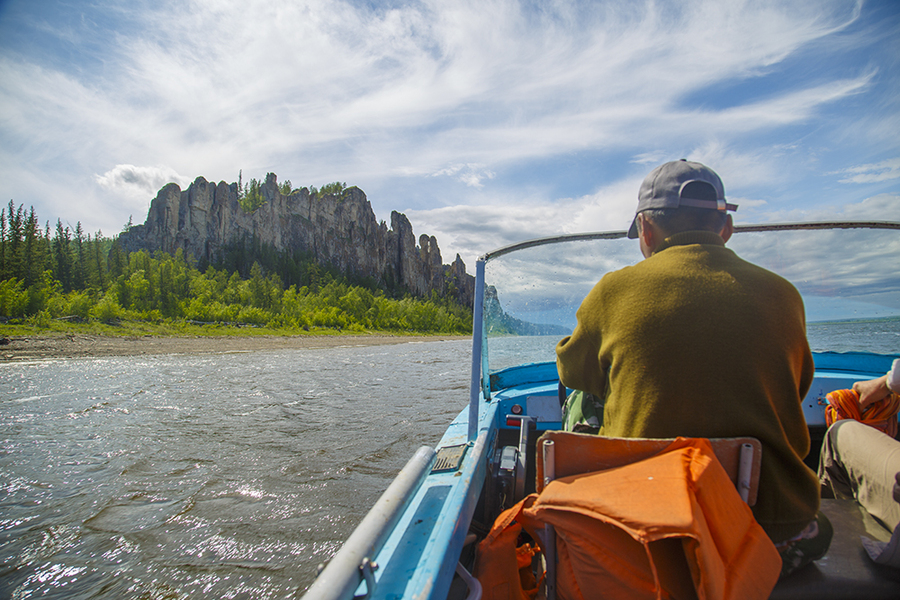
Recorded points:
(485, 122)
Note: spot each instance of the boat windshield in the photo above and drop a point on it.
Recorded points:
(848, 277)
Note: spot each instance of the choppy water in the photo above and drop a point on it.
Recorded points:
(225, 476)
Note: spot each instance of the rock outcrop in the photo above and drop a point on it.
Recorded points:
(337, 229)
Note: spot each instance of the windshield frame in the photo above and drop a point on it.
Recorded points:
(481, 369)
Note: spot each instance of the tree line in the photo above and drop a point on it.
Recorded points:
(68, 273)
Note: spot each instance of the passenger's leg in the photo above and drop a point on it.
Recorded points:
(861, 462)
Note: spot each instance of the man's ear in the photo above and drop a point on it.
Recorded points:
(648, 235)
(728, 229)
(646, 232)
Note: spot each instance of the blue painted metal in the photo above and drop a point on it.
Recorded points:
(419, 558)
(448, 536)
(477, 349)
(524, 374)
(865, 363)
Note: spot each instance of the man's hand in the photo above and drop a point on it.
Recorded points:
(871, 391)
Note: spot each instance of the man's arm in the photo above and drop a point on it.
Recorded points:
(873, 390)
(578, 363)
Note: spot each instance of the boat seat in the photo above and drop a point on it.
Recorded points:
(577, 453)
(846, 571)
(563, 454)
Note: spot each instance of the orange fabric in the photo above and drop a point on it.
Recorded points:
(882, 415)
(655, 529)
(502, 566)
(584, 452)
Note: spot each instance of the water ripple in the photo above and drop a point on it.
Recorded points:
(226, 476)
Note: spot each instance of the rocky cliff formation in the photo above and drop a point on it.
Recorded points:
(338, 229)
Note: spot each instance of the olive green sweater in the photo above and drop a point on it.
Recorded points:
(696, 342)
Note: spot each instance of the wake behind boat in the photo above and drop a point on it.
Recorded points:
(419, 540)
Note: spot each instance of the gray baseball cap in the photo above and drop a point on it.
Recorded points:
(667, 187)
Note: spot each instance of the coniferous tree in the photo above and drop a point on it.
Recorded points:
(118, 261)
(34, 253)
(62, 256)
(3, 235)
(97, 270)
(79, 270)
(14, 241)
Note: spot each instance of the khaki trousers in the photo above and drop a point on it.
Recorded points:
(859, 462)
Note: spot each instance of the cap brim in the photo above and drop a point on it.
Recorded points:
(633, 230)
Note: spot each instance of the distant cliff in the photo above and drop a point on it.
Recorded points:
(337, 229)
(499, 322)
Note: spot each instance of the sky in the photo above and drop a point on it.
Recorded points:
(486, 122)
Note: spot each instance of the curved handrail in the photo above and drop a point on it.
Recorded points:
(613, 235)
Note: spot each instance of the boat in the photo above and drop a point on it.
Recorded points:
(419, 539)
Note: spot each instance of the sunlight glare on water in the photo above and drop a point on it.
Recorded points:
(228, 476)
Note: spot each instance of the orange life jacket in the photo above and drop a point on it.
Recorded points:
(503, 565)
(670, 526)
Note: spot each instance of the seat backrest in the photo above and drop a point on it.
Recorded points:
(577, 453)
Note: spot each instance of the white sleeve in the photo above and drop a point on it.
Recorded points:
(893, 377)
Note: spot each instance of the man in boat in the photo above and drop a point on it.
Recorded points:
(694, 341)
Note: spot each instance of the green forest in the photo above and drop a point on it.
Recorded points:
(67, 276)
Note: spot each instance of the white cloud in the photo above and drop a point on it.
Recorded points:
(514, 83)
(144, 181)
(882, 207)
(472, 230)
(441, 100)
(470, 174)
(883, 171)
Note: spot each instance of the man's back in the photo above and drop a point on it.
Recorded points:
(696, 342)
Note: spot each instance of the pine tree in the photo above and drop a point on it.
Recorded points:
(3, 235)
(97, 270)
(62, 256)
(33, 251)
(79, 271)
(118, 261)
(14, 242)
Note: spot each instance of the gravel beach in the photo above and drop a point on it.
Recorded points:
(41, 347)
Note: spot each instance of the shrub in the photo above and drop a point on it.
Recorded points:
(107, 309)
(13, 298)
(39, 320)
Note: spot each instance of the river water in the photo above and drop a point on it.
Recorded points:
(220, 476)
(229, 475)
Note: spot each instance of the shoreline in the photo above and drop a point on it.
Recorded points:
(66, 346)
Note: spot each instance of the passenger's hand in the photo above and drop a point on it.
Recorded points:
(871, 391)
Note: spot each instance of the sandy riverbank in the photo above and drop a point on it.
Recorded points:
(21, 348)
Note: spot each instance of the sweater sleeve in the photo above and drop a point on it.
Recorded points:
(578, 355)
(578, 365)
